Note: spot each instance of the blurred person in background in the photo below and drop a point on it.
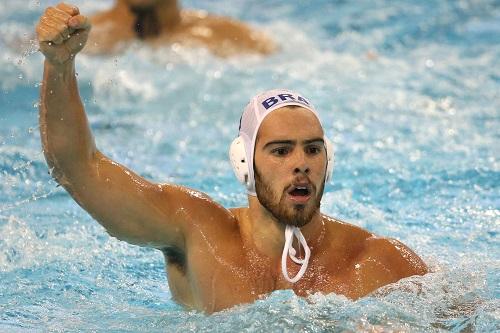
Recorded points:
(163, 22)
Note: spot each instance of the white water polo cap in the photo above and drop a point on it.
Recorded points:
(241, 152)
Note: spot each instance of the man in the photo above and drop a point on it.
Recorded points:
(218, 257)
(162, 22)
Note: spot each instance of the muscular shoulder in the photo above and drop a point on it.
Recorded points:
(195, 207)
(396, 257)
(373, 255)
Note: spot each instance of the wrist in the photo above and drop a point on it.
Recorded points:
(61, 68)
(60, 72)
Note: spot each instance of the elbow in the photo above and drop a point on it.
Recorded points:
(68, 169)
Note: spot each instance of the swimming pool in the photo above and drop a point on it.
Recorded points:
(409, 93)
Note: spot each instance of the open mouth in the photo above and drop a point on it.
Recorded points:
(300, 193)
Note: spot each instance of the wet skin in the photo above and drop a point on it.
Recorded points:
(217, 257)
(162, 22)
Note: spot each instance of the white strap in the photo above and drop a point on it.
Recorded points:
(290, 251)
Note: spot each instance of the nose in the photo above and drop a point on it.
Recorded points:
(300, 164)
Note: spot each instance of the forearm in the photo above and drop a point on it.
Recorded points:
(66, 137)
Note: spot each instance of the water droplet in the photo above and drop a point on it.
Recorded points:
(20, 76)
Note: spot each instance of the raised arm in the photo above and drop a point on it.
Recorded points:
(128, 206)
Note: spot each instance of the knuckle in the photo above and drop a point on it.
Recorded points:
(44, 20)
(43, 34)
(60, 26)
(67, 8)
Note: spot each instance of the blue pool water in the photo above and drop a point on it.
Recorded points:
(409, 93)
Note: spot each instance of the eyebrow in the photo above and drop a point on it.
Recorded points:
(291, 142)
(314, 140)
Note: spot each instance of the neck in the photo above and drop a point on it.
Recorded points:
(149, 21)
(267, 235)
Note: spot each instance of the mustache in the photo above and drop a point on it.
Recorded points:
(303, 182)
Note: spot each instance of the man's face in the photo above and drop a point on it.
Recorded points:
(290, 165)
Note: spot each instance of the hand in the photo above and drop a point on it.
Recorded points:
(62, 32)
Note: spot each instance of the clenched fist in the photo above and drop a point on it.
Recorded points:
(62, 33)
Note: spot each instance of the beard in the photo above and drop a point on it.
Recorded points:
(298, 215)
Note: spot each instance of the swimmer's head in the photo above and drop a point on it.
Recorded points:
(145, 3)
(290, 104)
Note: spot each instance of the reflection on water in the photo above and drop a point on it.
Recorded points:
(407, 91)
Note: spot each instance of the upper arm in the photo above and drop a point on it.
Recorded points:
(134, 209)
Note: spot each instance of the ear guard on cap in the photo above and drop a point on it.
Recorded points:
(330, 155)
(238, 158)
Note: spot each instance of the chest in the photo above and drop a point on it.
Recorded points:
(213, 283)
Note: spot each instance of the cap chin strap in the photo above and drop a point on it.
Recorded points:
(288, 250)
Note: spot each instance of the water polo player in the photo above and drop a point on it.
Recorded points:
(218, 257)
(163, 22)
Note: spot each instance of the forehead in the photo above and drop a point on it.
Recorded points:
(289, 123)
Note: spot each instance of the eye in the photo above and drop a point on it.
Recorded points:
(314, 150)
(280, 151)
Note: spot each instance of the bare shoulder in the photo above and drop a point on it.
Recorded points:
(195, 16)
(103, 17)
(374, 253)
(109, 32)
(395, 255)
(369, 262)
(227, 30)
(195, 207)
(345, 232)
